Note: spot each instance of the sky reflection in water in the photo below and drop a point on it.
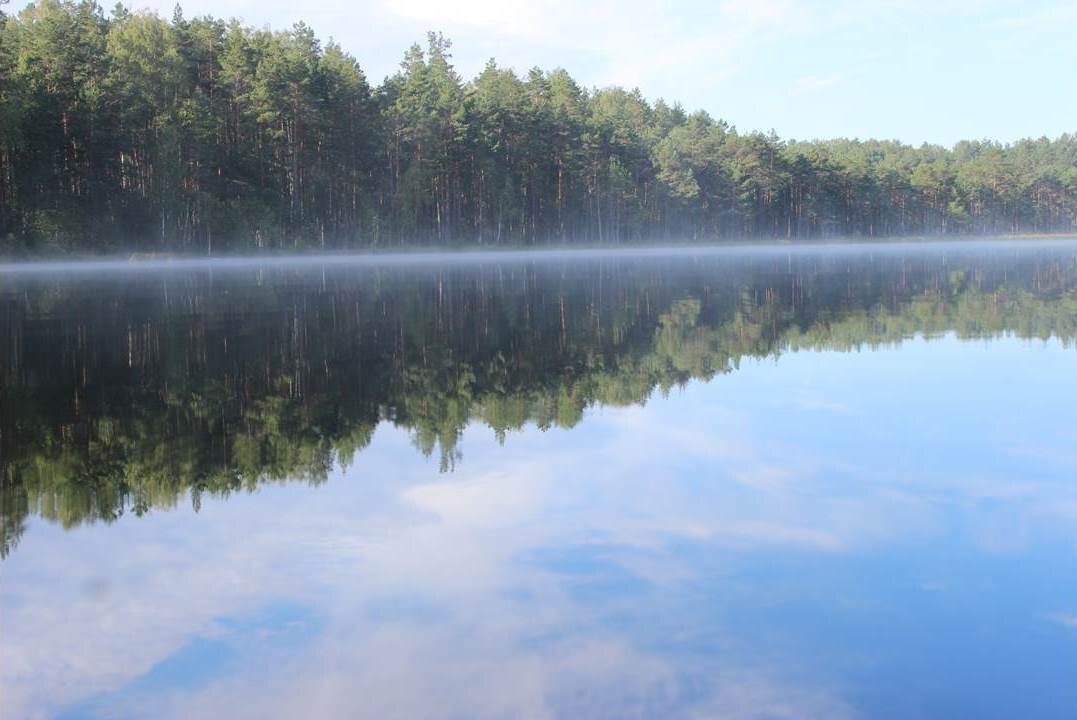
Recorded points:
(881, 533)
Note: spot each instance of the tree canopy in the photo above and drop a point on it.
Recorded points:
(129, 131)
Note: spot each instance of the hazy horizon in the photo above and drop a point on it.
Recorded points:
(419, 255)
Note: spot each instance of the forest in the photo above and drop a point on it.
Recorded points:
(126, 131)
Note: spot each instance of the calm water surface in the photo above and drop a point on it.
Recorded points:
(813, 483)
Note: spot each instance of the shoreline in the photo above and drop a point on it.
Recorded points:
(477, 254)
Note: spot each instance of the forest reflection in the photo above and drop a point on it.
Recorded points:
(126, 393)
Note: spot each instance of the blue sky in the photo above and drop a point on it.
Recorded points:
(915, 70)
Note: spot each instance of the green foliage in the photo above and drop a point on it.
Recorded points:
(198, 135)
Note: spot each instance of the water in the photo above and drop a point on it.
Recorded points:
(813, 483)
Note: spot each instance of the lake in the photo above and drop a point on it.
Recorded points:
(812, 482)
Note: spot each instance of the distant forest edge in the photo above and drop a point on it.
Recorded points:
(129, 131)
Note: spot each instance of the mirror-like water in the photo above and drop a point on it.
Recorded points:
(830, 482)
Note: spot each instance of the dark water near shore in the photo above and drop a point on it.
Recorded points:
(779, 483)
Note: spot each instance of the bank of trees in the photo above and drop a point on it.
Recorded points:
(127, 130)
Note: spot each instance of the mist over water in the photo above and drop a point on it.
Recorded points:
(738, 482)
(419, 256)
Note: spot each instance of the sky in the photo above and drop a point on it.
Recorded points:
(914, 70)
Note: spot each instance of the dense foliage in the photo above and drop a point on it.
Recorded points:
(125, 396)
(201, 135)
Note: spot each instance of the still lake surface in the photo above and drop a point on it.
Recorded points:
(830, 482)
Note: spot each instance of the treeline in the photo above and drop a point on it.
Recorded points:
(202, 135)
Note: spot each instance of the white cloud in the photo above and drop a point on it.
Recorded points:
(1067, 620)
(807, 84)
